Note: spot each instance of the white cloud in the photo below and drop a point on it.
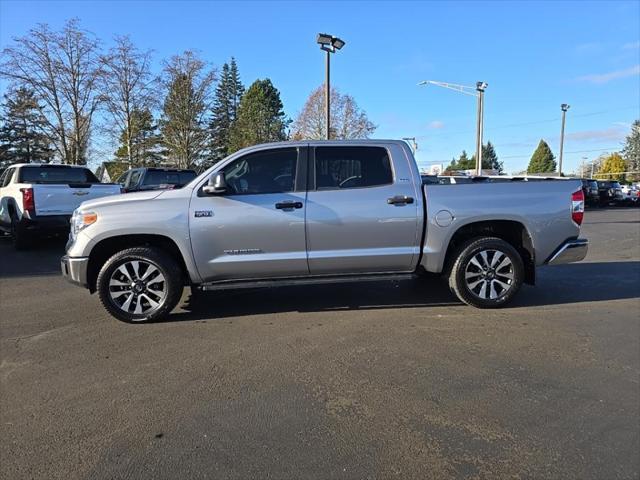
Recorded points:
(600, 78)
(631, 45)
(435, 125)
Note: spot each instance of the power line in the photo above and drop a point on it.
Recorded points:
(575, 151)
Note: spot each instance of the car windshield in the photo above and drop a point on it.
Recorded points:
(162, 177)
(56, 174)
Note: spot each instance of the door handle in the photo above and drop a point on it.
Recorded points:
(399, 200)
(288, 205)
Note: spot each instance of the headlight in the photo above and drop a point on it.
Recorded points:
(81, 220)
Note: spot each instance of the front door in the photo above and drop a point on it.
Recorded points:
(255, 229)
(362, 212)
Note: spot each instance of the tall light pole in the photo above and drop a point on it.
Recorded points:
(564, 107)
(329, 44)
(478, 92)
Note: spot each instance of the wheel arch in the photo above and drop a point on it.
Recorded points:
(109, 246)
(511, 231)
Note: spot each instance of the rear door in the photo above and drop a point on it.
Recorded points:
(362, 211)
(256, 228)
(59, 189)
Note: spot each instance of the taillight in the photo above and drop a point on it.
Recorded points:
(577, 207)
(28, 202)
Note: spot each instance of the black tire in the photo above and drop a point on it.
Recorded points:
(468, 259)
(18, 237)
(172, 284)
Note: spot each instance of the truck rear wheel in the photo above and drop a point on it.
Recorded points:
(140, 284)
(486, 273)
(18, 238)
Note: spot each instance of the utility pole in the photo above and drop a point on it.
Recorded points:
(479, 93)
(564, 108)
(412, 143)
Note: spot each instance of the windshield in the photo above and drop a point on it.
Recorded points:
(56, 174)
(161, 177)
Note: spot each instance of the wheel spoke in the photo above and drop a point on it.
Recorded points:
(469, 275)
(505, 286)
(117, 283)
(158, 279)
(127, 302)
(123, 269)
(497, 256)
(492, 291)
(150, 269)
(485, 260)
(483, 290)
(153, 303)
(507, 275)
(474, 261)
(119, 294)
(473, 285)
(136, 268)
(504, 263)
(138, 309)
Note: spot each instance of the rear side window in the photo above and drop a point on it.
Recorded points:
(133, 179)
(6, 177)
(351, 167)
(160, 177)
(55, 174)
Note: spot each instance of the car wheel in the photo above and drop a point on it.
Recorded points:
(486, 273)
(140, 284)
(18, 238)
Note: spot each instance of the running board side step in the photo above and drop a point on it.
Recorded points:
(294, 281)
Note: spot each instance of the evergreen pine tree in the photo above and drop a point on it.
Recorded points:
(225, 108)
(21, 134)
(260, 117)
(145, 140)
(543, 160)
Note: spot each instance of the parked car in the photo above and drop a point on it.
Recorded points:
(631, 195)
(40, 198)
(591, 193)
(152, 178)
(307, 212)
(610, 192)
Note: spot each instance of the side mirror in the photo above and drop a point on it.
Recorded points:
(217, 184)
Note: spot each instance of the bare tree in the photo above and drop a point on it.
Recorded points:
(347, 119)
(189, 82)
(62, 69)
(127, 88)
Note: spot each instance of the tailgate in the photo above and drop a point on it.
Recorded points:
(63, 199)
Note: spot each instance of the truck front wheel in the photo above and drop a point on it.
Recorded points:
(140, 284)
(487, 272)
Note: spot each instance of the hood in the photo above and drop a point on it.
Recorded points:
(121, 199)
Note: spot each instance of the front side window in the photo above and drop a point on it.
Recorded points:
(351, 167)
(270, 171)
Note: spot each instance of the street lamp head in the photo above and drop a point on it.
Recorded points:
(329, 43)
(337, 43)
(323, 39)
(565, 107)
(481, 86)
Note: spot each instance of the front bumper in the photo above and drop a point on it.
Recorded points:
(74, 270)
(570, 251)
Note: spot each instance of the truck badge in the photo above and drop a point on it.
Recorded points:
(203, 213)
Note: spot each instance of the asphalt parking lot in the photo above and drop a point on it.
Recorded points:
(371, 380)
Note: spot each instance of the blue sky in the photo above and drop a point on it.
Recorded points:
(534, 55)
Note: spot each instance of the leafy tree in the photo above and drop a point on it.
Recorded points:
(140, 141)
(260, 117)
(348, 121)
(631, 150)
(610, 166)
(225, 110)
(128, 91)
(543, 160)
(62, 69)
(183, 124)
(21, 134)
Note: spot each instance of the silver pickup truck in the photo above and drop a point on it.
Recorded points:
(318, 212)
